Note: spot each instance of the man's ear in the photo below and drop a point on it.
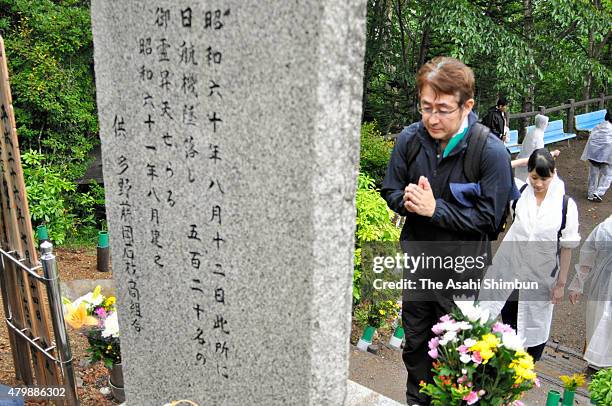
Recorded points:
(469, 104)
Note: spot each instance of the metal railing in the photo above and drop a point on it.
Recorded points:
(50, 279)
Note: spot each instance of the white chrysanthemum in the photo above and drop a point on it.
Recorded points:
(463, 325)
(512, 341)
(465, 358)
(473, 312)
(468, 342)
(111, 326)
(448, 337)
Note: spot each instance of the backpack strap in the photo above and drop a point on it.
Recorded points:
(414, 146)
(516, 201)
(564, 216)
(473, 154)
(563, 223)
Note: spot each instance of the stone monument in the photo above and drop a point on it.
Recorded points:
(230, 143)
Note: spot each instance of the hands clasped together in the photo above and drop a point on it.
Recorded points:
(419, 198)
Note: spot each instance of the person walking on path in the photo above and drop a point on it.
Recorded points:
(495, 118)
(533, 140)
(598, 151)
(536, 248)
(593, 278)
(429, 157)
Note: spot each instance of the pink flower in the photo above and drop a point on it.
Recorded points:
(462, 379)
(518, 403)
(471, 398)
(437, 329)
(476, 357)
(537, 383)
(463, 349)
(433, 353)
(481, 392)
(101, 312)
(433, 343)
(502, 328)
(446, 317)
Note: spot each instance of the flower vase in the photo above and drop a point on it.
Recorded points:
(115, 381)
(568, 397)
(398, 336)
(553, 398)
(366, 339)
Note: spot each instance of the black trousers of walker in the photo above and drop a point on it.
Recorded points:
(509, 315)
(418, 317)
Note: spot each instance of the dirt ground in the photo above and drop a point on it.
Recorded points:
(568, 323)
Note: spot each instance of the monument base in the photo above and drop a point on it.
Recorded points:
(359, 395)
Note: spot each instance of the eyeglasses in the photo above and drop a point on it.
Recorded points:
(442, 113)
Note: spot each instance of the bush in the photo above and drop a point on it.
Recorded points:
(373, 224)
(45, 187)
(601, 387)
(53, 200)
(375, 152)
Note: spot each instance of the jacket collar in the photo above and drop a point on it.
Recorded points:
(431, 143)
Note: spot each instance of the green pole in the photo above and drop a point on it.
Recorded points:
(553, 398)
(42, 233)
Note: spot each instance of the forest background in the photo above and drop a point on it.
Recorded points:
(537, 52)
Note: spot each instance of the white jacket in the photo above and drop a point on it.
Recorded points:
(529, 253)
(533, 140)
(596, 256)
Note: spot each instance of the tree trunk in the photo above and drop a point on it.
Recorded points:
(374, 40)
(400, 19)
(528, 96)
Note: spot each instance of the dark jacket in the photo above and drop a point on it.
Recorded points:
(451, 221)
(494, 119)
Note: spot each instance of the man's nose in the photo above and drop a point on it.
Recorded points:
(433, 119)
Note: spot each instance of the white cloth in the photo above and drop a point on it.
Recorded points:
(596, 256)
(532, 141)
(530, 248)
(599, 146)
(600, 178)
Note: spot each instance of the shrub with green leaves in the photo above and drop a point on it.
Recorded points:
(373, 224)
(46, 188)
(375, 152)
(601, 387)
(49, 49)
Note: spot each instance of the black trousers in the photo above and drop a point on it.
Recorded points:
(418, 317)
(509, 315)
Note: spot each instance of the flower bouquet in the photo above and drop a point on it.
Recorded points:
(570, 384)
(477, 361)
(97, 316)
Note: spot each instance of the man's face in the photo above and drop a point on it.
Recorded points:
(446, 115)
(503, 108)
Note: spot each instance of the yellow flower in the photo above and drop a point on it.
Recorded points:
(110, 301)
(381, 311)
(523, 367)
(573, 382)
(77, 317)
(97, 292)
(486, 346)
(491, 340)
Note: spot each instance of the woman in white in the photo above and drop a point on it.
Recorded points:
(594, 278)
(598, 152)
(532, 251)
(532, 141)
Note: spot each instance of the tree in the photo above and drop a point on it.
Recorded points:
(537, 52)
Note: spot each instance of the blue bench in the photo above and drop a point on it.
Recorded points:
(587, 121)
(512, 143)
(554, 132)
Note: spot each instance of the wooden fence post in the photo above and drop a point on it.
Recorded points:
(570, 116)
(602, 101)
